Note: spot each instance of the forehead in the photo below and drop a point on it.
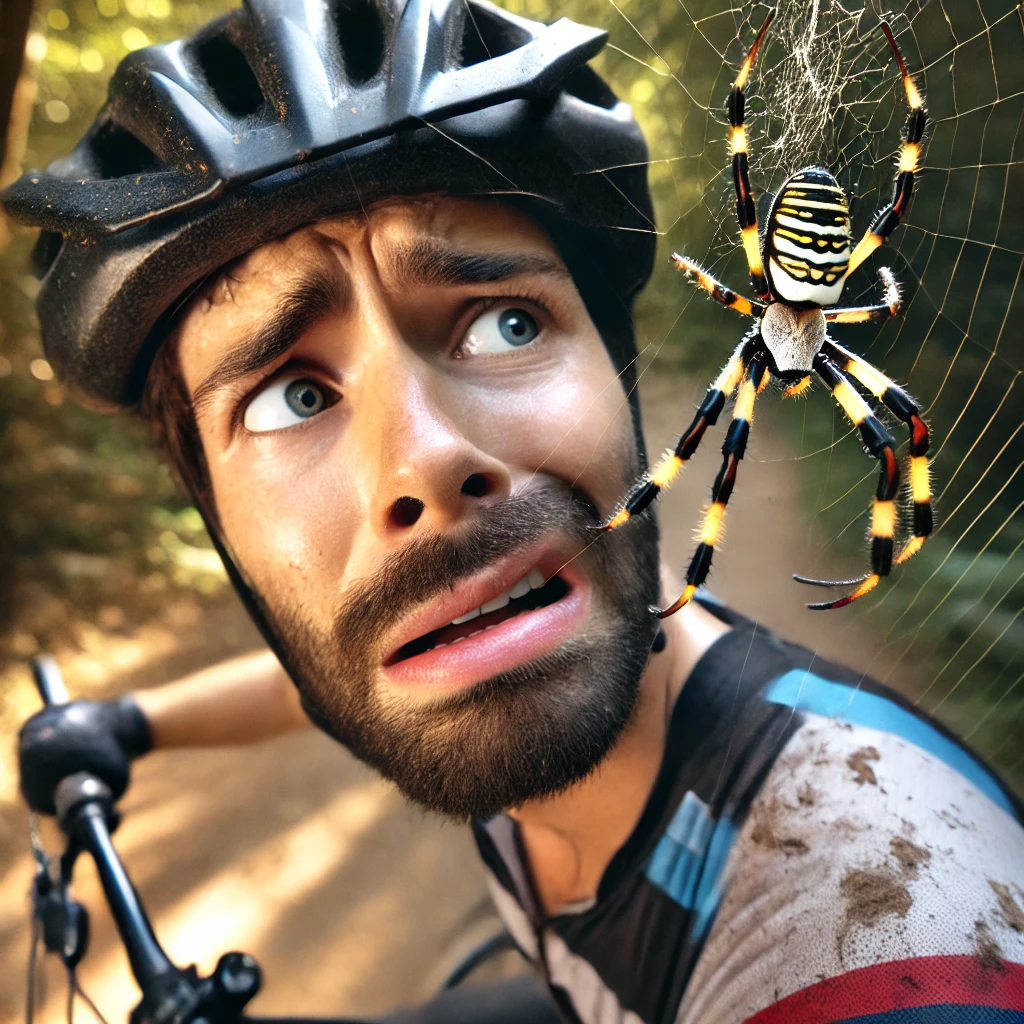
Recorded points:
(385, 230)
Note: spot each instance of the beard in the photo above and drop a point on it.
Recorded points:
(521, 734)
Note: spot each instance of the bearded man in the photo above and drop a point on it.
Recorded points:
(368, 270)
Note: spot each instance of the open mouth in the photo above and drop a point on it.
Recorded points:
(528, 594)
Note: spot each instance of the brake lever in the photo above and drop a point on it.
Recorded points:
(170, 995)
(62, 921)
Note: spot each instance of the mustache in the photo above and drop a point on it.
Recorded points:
(430, 565)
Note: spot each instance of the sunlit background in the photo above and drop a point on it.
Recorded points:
(104, 563)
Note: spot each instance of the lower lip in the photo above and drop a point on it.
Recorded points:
(503, 647)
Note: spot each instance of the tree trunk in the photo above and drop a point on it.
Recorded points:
(14, 20)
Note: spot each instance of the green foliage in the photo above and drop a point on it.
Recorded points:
(78, 45)
(94, 528)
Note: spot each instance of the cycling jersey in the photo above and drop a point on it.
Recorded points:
(813, 850)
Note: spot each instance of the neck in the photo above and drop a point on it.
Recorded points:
(571, 837)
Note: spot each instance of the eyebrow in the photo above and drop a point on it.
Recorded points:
(319, 295)
(431, 262)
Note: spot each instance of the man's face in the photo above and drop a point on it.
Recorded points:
(411, 426)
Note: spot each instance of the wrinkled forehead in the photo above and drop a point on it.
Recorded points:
(388, 230)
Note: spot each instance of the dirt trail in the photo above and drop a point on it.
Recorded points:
(349, 898)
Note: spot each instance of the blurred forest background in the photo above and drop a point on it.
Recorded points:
(97, 542)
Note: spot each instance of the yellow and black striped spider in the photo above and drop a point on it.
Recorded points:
(798, 268)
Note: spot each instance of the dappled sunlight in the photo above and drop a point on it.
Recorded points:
(222, 914)
(313, 881)
(96, 664)
(290, 850)
(240, 903)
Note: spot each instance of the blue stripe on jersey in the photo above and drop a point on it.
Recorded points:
(688, 860)
(806, 691)
(944, 1013)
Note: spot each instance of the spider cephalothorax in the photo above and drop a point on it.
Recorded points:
(798, 268)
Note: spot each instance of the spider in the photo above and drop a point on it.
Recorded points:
(798, 267)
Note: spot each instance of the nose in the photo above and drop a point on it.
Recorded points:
(431, 475)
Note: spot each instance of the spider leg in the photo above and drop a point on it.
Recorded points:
(794, 390)
(718, 291)
(732, 451)
(888, 217)
(889, 306)
(644, 492)
(879, 443)
(745, 209)
(901, 405)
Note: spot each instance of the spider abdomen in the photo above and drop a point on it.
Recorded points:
(807, 239)
(792, 336)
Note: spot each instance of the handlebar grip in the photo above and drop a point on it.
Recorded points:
(49, 681)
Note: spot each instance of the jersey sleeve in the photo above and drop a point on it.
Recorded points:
(872, 882)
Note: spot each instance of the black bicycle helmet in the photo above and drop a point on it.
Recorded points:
(286, 111)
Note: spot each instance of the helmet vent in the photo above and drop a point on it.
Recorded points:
(484, 36)
(361, 38)
(229, 76)
(585, 84)
(45, 251)
(118, 153)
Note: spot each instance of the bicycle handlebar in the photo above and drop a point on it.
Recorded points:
(170, 995)
(85, 810)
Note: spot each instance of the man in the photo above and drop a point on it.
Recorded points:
(372, 289)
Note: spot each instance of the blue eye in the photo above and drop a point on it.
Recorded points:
(517, 327)
(499, 330)
(304, 398)
(284, 403)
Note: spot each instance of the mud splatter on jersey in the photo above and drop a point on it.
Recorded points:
(814, 850)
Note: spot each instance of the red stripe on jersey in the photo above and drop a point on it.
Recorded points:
(899, 985)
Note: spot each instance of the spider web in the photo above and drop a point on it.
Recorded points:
(948, 628)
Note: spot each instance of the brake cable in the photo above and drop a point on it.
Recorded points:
(59, 923)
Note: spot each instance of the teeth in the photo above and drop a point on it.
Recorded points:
(533, 580)
(492, 606)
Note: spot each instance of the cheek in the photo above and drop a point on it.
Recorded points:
(287, 520)
(573, 424)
